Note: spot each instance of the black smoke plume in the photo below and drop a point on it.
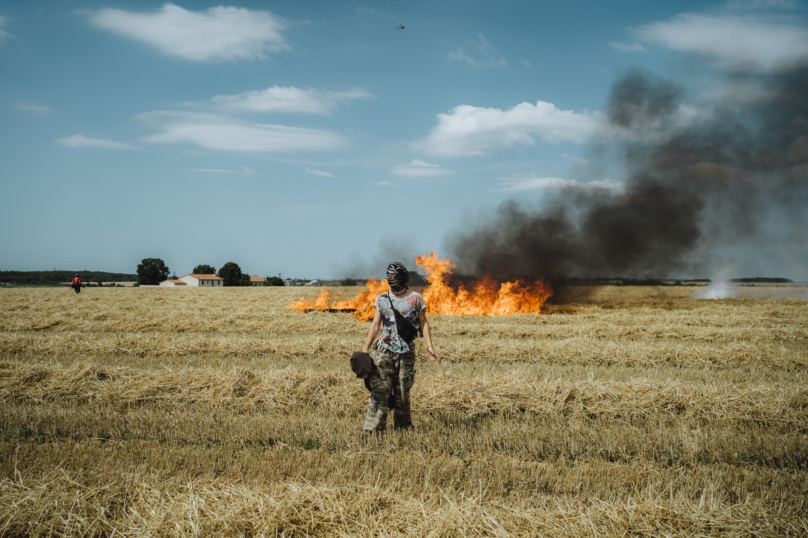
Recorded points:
(702, 185)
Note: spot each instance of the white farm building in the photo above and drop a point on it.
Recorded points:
(202, 280)
(172, 283)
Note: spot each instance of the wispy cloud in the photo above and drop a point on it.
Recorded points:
(384, 184)
(81, 141)
(360, 9)
(320, 173)
(242, 170)
(469, 130)
(488, 55)
(524, 62)
(533, 183)
(220, 132)
(419, 168)
(461, 56)
(577, 160)
(633, 47)
(40, 111)
(219, 33)
(288, 99)
(4, 36)
(762, 4)
(748, 43)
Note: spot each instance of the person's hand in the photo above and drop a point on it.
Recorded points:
(432, 356)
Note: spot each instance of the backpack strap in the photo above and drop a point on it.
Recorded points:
(403, 320)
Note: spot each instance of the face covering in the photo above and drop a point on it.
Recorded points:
(397, 277)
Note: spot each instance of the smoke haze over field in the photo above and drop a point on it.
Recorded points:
(397, 249)
(724, 183)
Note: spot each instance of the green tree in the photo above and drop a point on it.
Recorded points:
(274, 281)
(151, 271)
(231, 274)
(204, 270)
(245, 280)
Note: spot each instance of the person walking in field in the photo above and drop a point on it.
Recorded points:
(76, 284)
(401, 315)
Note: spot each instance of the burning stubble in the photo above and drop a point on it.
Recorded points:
(480, 297)
(704, 188)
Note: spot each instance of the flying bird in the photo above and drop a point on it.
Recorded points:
(400, 27)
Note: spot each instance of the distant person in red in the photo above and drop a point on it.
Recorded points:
(77, 284)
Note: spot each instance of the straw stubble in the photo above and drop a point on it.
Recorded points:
(222, 412)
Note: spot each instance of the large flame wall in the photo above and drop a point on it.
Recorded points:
(484, 297)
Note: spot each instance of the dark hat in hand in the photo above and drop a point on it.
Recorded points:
(362, 364)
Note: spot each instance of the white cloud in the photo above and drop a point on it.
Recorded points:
(220, 33)
(524, 62)
(81, 141)
(288, 99)
(418, 168)
(319, 173)
(41, 111)
(522, 184)
(731, 42)
(634, 47)
(469, 130)
(384, 184)
(242, 170)
(219, 132)
(489, 56)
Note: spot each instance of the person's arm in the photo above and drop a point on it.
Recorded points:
(427, 335)
(375, 325)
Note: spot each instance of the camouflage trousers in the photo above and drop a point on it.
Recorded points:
(395, 374)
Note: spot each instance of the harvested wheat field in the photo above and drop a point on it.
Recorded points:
(626, 411)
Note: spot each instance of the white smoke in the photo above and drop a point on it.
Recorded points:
(719, 288)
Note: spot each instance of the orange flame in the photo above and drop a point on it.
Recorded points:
(362, 304)
(484, 297)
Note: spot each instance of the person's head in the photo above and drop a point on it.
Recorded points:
(397, 277)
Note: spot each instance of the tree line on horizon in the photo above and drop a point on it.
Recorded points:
(61, 276)
(152, 271)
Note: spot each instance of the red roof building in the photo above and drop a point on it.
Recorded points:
(206, 281)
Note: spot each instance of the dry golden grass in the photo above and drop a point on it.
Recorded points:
(639, 411)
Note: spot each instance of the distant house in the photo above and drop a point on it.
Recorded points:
(202, 280)
(256, 280)
(171, 283)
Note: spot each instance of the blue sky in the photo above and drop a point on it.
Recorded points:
(296, 137)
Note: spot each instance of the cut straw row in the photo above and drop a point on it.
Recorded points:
(492, 392)
(60, 506)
